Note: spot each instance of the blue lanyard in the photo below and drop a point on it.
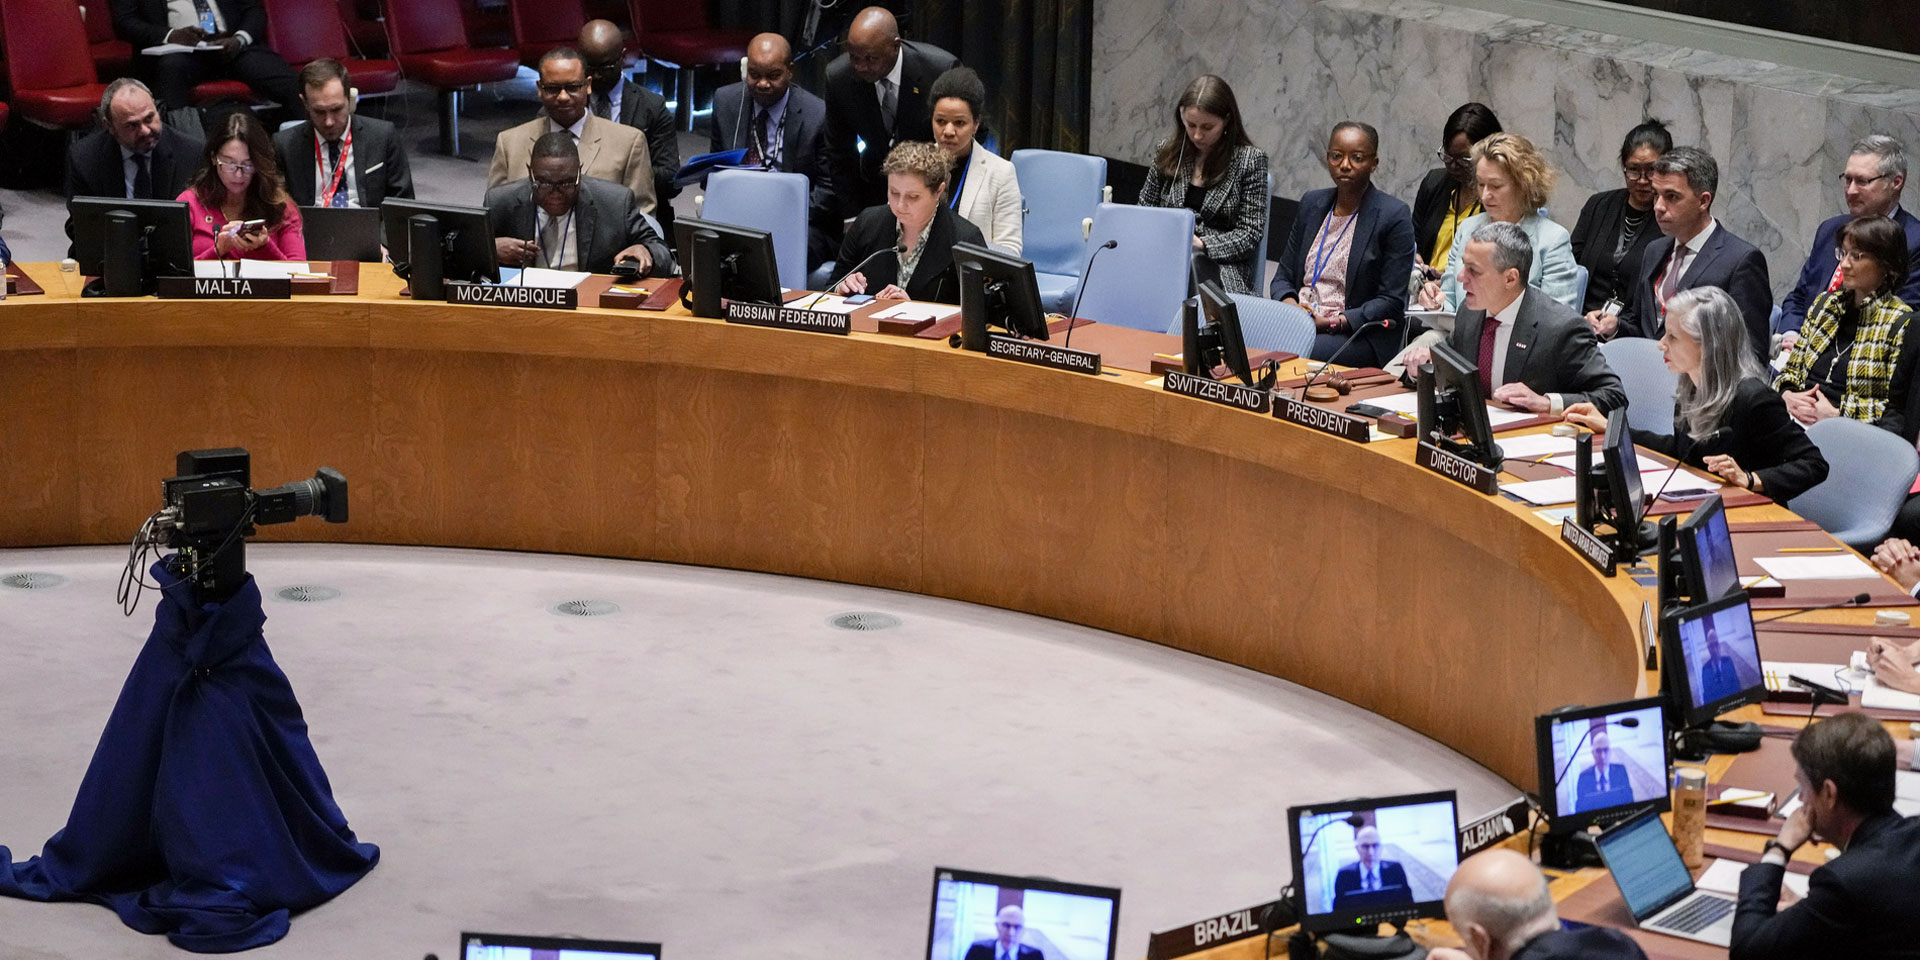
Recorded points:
(1326, 250)
(960, 183)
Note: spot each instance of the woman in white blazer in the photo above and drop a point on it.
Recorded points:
(1514, 181)
(983, 190)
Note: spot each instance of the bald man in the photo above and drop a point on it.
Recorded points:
(1501, 910)
(877, 94)
(604, 53)
(782, 127)
(1005, 943)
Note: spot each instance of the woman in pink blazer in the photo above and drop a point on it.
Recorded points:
(239, 182)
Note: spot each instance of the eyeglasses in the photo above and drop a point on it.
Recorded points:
(1452, 161)
(1853, 181)
(1644, 174)
(234, 167)
(571, 89)
(1335, 158)
(1851, 256)
(554, 185)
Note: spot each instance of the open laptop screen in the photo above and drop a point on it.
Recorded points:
(1645, 865)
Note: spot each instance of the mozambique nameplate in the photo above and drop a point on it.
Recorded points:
(1043, 354)
(1348, 426)
(224, 288)
(513, 295)
(1205, 934)
(1457, 468)
(1233, 395)
(788, 318)
(1588, 544)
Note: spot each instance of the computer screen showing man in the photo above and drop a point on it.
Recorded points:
(1710, 553)
(1718, 652)
(1605, 759)
(985, 916)
(1385, 857)
(511, 946)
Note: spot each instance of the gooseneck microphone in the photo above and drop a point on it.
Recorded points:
(1574, 755)
(1109, 245)
(1857, 600)
(1383, 322)
(898, 250)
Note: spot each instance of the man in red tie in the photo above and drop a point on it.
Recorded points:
(1533, 352)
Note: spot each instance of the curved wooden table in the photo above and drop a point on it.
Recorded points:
(884, 461)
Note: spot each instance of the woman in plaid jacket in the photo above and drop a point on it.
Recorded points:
(1209, 166)
(1857, 334)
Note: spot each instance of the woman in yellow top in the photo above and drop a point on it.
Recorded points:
(1447, 195)
(1856, 336)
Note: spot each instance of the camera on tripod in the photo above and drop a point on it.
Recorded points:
(211, 509)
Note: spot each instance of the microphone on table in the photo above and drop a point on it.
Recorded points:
(1574, 754)
(1857, 600)
(898, 250)
(1306, 388)
(1109, 245)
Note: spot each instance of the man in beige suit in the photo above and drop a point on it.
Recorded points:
(608, 150)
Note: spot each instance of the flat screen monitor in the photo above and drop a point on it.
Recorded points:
(973, 912)
(1706, 551)
(726, 262)
(466, 239)
(510, 946)
(1712, 664)
(168, 239)
(341, 233)
(1219, 340)
(1453, 408)
(996, 290)
(1600, 765)
(1360, 863)
(1624, 486)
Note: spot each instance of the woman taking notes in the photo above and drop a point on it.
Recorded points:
(1210, 167)
(916, 222)
(1514, 182)
(1726, 417)
(237, 203)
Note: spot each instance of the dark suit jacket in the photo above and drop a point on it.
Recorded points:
(1759, 435)
(1594, 236)
(379, 162)
(1377, 269)
(987, 950)
(1727, 262)
(803, 145)
(94, 168)
(853, 111)
(1817, 272)
(1619, 790)
(605, 220)
(1552, 351)
(1718, 678)
(1590, 943)
(143, 23)
(647, 112)
(1393, 878)
(1430, 211)
(935, 280)
(1858, 905)
(1902, 415)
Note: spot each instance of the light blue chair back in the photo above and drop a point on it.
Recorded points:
(1580, 277)
(765, 200)
(1649, 384)
(1060, 190)
(1869, 473)
(1258, 268)
(1141, 282)
(1268, 324)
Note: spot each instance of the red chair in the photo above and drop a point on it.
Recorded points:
(303, 31)
(541, 25)
(675, 33)
(364, 30)
(3, 116)
(112, 56)
(487, 23)
(430, 41)
(49, 64)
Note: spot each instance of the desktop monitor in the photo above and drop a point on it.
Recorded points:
(163, 245)
(1712, 661)
(1600, 765)
(996, 290)
(509, 946)
(466, 243)
(726, 262)
(1451, 404)
(1626, 492)
(1706, 551)
(1219, 341)
(1360, 863)
(341, 233)
(973, 912)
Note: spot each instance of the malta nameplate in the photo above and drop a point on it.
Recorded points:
(1587, 544)
(1322, 419)
(1205, 934)
(1043, 354)
(513, 295)
(788, 318)
(224, 288)
(1234, 395)
(1457, 468)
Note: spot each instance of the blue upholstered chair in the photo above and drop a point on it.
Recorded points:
(1141, 281)
(1649, 384)
(1870, 471)
(1061, 190)
(765, 200)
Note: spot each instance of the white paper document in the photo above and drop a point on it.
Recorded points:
(1544, 492)
(1825, 566)
(1877, 697)
(915, 310)
(1723, 876)
(541, 277)
(1777, 674)
(830, 303)
(1676, 481)
(1906, 784)
(1533, 446)
(252, 269)
(162, 49)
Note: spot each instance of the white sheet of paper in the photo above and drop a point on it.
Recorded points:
(253, 269)
(1408, 405)
(1906, 784)
(1776, 672)
(1786, 809)
(1554, 515)
(162, 49)
(1533, 446)
(1835, 566)
(1723, 876)
(1544, 492)
(542, 277)
(916, 309)
(1683, 481)
(831, 303)
(1877, 697)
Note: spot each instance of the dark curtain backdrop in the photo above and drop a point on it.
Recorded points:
(1033, 54)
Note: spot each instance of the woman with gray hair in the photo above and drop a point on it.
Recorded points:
(1726, 417)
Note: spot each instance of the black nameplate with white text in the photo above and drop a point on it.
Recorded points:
(1457, 468)
(1588, 544)
(224, 288)
(1233, 395)
(1043, 354)
(1206, 934)
(788, 318)
(513, 295)
(1493, 828)
(1357, 429)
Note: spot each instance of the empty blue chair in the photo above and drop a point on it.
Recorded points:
(1061, 190)
(1142, 280)
(765, 200)
(1649, 384)
(1268, 324)
(1869, 473)
(1580, 277)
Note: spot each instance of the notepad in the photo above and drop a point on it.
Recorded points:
(917, 310)
(1533, 446)
(1841, 566)
(252, 269)
(162, 49)
(1544, 492)
(1776, 673)
(1723, 876)
(829, 303)
(1675, 482)
(542, 277)
(1876, 696)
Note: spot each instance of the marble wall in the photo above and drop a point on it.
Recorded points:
(1298, 66)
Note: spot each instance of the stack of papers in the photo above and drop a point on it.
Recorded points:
(252, 269)
(541, 277)
(1533, 446)
(1545, 492)
(916, 310)
(1836, 566)
(1408, 405)
(1776, 674)
(829, 303)
(1877, 697)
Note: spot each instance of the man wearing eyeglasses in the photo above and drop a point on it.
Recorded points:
(607, 150)
(558, 219)
(1876, 171)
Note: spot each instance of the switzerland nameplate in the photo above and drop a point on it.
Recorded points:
(788, 318)
(1043, 355)
(1322, 419)
(1588, 545)
(513, 295)
(224, 288)
(1216, 391)
(1457, 468)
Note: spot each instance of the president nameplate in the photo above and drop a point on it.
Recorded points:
(1322, 419)
(1587, 544)
(1457, 468)
(1043, 354)
(788, 318)
(224, 288)
(513, 295)
(1217, 391)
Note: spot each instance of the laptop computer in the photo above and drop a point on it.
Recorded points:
(1657, 887)
(341, 233)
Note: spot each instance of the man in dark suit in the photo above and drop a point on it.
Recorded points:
(1696, 251)
(1006, 944)
(558, 219)
(876, 93)
(1605, 783)
(1370, 881)
(134, 154)
(1876, 172)
(782, 127)
(1718, 676)
(615, 98)
(238, 28)
(1866, 902)
(1533, 351)
(337, 158)
(1500, 907)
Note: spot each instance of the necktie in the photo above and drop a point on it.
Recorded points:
(603, 106)
(889, 102)
(553, 242)
(333, 166)
(1670, 284)
(142, 178)
(1602, 778)
(1488, 330)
